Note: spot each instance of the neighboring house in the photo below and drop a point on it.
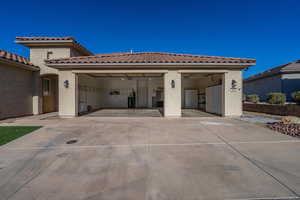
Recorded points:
(73, 80)
(284, 79)
(16, 85)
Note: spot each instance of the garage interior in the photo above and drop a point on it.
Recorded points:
(142, 94)
(130, 95)
(201, 94)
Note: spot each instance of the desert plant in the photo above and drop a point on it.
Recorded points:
(254, 98)
(276, 98)
(296, 97)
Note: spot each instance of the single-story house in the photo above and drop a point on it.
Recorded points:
(73, 80)
(284, 78)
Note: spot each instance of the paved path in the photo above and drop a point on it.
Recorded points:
(149, 159)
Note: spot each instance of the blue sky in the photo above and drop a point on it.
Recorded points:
(268, 30)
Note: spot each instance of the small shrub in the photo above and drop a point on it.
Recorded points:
(296, 97)
(276, 98)
(254, 98)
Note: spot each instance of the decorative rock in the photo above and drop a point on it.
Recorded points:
(291, 129)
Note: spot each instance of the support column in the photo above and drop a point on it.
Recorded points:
(68, 94)
(36, 94)
(232, 93)
(172, 94)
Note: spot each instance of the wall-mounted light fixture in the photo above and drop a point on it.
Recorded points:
(66, 83)
(173, 84)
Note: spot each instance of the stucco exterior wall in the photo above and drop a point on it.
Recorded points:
(16, 89)
(263, 86)
(74, 53)
(172, 100)
(39, 54)
(68, 96)
(232, 96)
(290, 84)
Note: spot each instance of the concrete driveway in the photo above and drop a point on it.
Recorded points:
(150, 159)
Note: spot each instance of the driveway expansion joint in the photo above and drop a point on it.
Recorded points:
(255, 164)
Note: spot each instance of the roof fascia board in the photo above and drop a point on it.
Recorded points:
(70, 43)
(154, 65)
(142, 64)
(42, 41)
(17, 64)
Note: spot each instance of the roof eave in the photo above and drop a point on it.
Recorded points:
(154, 65)
(72, 43)
(25, 42)
(18, 64)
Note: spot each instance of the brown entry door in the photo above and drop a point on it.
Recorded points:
(49, 95)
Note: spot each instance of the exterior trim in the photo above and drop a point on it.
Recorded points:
(69, 42)
(21, 65)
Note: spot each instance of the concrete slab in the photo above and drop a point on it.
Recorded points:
(280, 159)
(125, 113)
(150, 159)
(196, 113)
(246, 132)
(207, 172)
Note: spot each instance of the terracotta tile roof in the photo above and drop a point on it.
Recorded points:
(16, 58)
(149, 58)
(47, 40)
(285, 68)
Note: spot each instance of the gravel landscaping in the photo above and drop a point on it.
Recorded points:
(288, 129)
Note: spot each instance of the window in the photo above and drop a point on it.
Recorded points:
(46, 87)
(49, 54)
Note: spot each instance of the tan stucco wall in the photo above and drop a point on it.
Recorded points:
(37, 57)
(74, 53)
(68, 97)
(172, 100)
(39, 54)
(16, 87)
(232, 98)
(36, 94)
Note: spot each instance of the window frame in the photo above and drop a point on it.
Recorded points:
(48, 92)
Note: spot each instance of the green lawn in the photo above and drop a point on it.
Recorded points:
(9, 133)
